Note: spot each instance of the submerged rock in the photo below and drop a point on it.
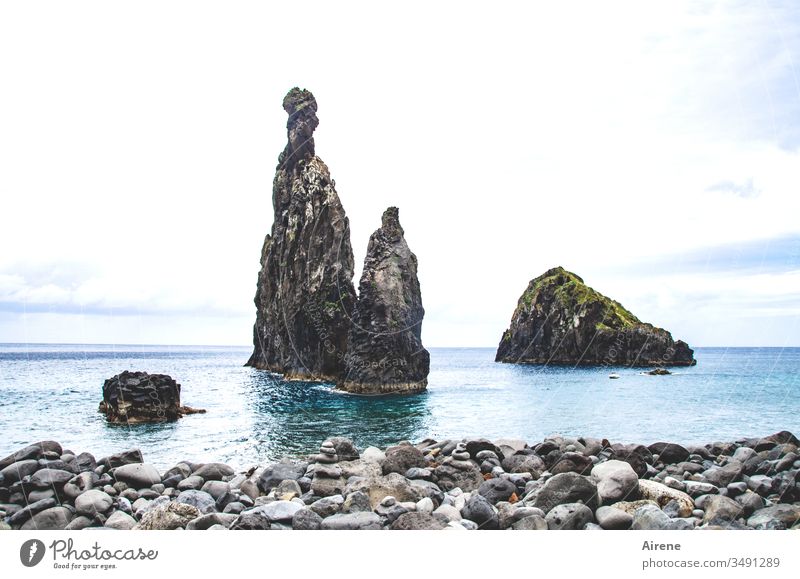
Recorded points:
(305, 293)
(137, 397)
(385, 353)
(561, 320)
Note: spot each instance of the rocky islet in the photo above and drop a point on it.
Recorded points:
(470, 484)
(561, 320)
(310, 323)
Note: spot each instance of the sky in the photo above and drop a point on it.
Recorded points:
(652, 150)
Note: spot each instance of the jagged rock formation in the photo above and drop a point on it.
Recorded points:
(385, 352)
(560, 320)
(305, 291)
(137, 397)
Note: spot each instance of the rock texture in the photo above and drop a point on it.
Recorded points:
(305, 292)
(136, 397)
(385, 352)
(309, 325)
(413, 486)
(561, 320)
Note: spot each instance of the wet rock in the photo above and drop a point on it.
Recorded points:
(721, 509)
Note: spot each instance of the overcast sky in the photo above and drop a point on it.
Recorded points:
(653, 151)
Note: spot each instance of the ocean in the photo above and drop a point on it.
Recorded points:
(52, 392)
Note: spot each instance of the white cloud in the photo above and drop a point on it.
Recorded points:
(512, 138)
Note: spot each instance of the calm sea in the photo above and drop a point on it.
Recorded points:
(52, 392)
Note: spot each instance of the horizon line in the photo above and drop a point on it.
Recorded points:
(250, 346)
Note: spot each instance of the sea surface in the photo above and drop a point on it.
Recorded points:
(52, 392)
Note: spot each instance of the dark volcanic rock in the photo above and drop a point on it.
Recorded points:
(385, 353)
(561, 320)
(305, 293)
(136, 397)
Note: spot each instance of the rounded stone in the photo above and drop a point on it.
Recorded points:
(120, 521)
(52, 519)
(93, 502)
(138, 475)
(202, 501)
(613, 519)
(616, 481)
(570, 516)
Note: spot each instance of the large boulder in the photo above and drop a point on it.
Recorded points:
(52, 519)
(137, 476)
(276, 473)
(568, 487)
(93, 502)
(480, 511)
(32, 452)
(136, 397)
(616, 481)
(402, 457)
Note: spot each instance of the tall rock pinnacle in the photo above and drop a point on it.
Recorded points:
(305, 292)
(385, 353)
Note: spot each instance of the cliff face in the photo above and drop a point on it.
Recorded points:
(385, 352)
(305, 291)
(560, 320)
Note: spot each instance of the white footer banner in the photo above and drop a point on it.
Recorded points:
(350, 554)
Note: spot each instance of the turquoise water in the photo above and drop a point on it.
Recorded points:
(52, 391)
